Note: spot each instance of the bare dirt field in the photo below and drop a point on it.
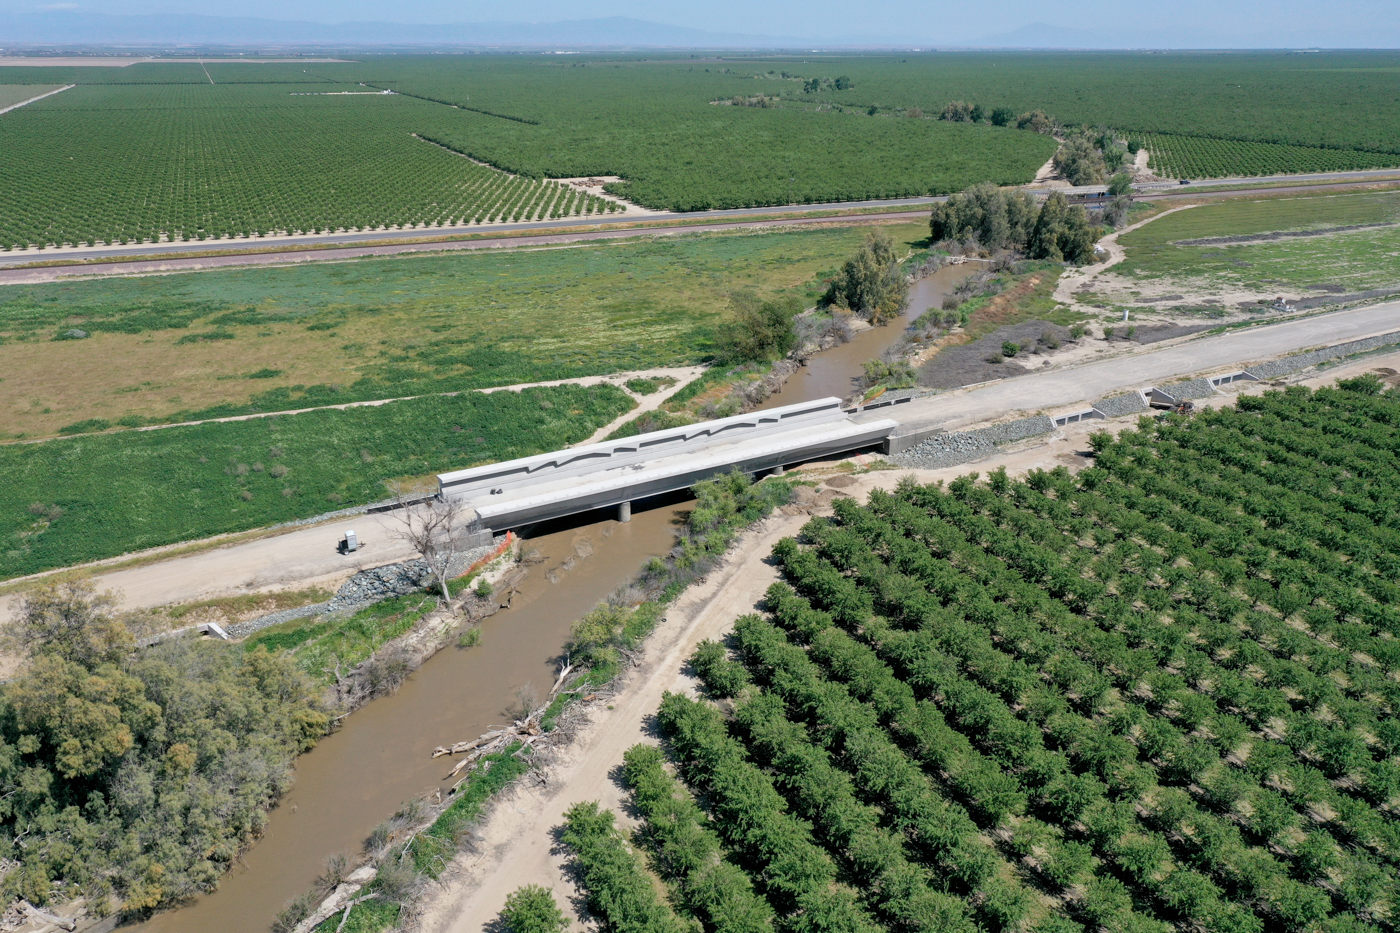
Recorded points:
(515, 845)
(72, 61)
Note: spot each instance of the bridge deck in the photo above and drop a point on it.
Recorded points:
(566, 482)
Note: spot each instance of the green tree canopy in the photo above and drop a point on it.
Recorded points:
(1062, 232)
(1080, 161)
(136, 776)
(756, 329)
(995, 218)
(871, 284)
(531, 909)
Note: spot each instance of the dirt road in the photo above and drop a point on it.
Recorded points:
(1088, 381)
(305, 556)
(195, 263)
(1077, 277)
(515, 845)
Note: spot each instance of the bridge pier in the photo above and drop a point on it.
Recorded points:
(778, 470)
(624, 512)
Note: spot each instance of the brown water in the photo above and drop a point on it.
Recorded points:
(837, 371)
(353, 780)
(356, 778)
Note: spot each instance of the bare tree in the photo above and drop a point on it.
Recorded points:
(432, 527)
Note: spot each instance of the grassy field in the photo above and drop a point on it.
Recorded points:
(1351, 259)
(279, 146)
(166, 348)
(323, 645)
(86, 498)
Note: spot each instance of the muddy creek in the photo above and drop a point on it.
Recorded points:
(357, 777)
(838, 370)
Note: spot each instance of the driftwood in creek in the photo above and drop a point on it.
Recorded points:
(525, 731)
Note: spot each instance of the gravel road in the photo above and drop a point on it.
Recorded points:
(1076, 385)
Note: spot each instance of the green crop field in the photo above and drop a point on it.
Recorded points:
(1157, 696)
(86, 498)
(135, 164)
(247, 148)
(1202, 157)
(225, 342)
(1209, 244)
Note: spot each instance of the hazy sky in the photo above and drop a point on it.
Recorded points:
(1235, 22)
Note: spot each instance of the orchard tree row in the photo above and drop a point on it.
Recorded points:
(1158, 695)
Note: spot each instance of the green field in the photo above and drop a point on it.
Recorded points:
(1353, 259)
(1310, 103)
(1158, 696)
(222, 342)
(86, 498)
(1202, 157)
(174, 155)
(124, 164)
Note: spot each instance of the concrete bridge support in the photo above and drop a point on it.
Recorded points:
(624, 511)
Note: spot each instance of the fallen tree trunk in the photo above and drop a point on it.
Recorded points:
(46, 917)
(526, 731)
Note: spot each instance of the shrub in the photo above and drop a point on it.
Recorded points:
(755, 330)
(871, 284)
(1010, 349)
(90, 426)
(532, 909)
(1364, 384)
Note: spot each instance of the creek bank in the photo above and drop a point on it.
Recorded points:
(385, 670)
(365, 588)
(606, 643)
(946, 450)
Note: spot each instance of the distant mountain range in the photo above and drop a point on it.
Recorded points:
(62, 27)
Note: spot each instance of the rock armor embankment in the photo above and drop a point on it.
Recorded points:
(945, 450)
(363, 589)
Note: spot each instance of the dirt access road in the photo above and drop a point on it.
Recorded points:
(516, 847)
(305, 556)
(195, 263)
(1074, 385)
